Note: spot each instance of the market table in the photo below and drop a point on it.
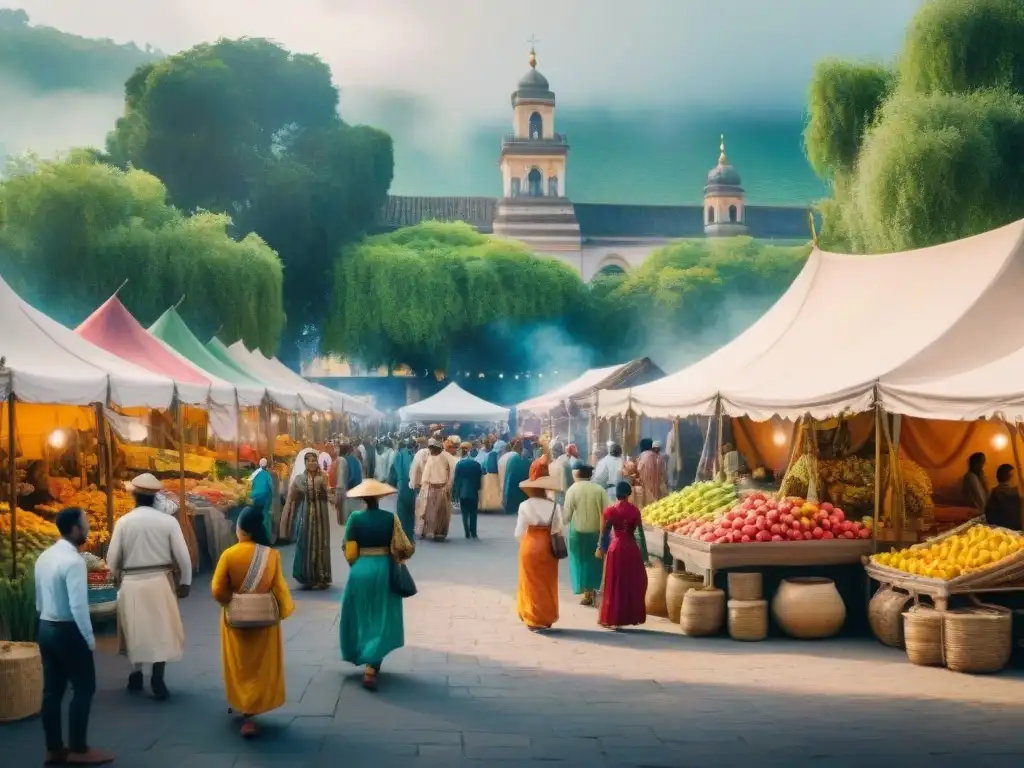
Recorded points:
(656, 542)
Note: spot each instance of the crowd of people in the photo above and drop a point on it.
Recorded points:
(563, 506)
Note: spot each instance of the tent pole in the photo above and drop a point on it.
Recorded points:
(238, 442)
(12, 451)
(106, 458)
(720, 433)
(878, 471)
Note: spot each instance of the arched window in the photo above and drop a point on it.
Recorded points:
(733, 217)
(536, 183)
(552, 186)
(711, 215)
(536, 126)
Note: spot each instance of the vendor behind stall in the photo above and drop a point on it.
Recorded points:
(975, 487)
(1003, 505)
(39, 479)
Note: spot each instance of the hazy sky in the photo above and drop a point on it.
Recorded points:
(468, 54)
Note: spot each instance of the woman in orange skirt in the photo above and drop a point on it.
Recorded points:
(539, 517)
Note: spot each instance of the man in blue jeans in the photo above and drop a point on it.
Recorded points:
(466, 488)
(66, 643)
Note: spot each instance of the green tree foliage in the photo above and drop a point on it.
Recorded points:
(46, 59)
(843, 101)
(72, 231)
(246, 128)
(439, 295)
(941, 158)
(423, 294)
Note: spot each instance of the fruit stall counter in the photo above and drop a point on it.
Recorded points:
(706, 557)
(657, 545)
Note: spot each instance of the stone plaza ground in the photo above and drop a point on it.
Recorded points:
(473, 687)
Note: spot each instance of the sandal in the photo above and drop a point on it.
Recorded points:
(248, 729)
(370, 679)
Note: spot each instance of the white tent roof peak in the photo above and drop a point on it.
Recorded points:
(453, 403)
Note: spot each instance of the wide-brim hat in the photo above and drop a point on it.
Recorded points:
(146, 483)
(432, 443)
(546, 483)
(371, 489)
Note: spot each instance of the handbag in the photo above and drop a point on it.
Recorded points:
(559, 547)
(248, 609)
(400, 579)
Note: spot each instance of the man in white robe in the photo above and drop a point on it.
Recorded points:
(608, 472)
(147, 550)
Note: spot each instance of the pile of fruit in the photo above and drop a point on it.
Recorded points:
(220, 493)
(94, 502)
(976, 549)
(34, 534)
(850, 483)
(759, 518)
(698, 503)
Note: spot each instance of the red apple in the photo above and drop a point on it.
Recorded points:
(828, 535)
(808, 535)
(763, 536)
(776, 538)
(817, 532)
(738, 523)
(839, 513)
(826, 507)
(745, 539)
(865, 533)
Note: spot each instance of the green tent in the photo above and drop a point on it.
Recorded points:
(173, 332)
(216, 348)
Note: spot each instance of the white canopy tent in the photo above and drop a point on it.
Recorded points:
(851, 324)
(453, 403)
(44, 362)
(353, 406)
(542, 404)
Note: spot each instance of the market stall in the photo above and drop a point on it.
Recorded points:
(453, 404)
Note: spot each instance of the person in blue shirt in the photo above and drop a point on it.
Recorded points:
(66, 643)
(261, 493)
(466, 488)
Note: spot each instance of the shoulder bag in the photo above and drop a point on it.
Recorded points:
(559, 548)
(253, 610)
(400, 579)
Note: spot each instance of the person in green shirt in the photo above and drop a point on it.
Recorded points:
(584, 503)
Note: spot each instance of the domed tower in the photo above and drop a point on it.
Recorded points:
(534, 207)
(724, 200)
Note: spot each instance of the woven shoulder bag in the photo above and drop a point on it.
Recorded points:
(253, 610)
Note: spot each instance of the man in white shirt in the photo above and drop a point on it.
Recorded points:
(66, 643)
(147, 547)
(434, 506)
(608, 472)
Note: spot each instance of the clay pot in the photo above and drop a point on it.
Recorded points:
(809, 607)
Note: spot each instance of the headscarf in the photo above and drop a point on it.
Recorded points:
(260, 468)
(250, 522)
(299, 467)
(572, 451)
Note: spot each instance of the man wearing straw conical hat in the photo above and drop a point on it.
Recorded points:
(146, 550)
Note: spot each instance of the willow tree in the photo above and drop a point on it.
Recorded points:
(436, 295)
(933, 151)
(73, 231)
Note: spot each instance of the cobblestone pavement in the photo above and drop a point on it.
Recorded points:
(473, 687)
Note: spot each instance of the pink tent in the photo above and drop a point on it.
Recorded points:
(113, 328)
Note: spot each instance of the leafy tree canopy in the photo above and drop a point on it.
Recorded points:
(938, 156)
(46, 59)
(72, 231)
(246, 128)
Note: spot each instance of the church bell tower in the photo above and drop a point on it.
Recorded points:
(534, 207)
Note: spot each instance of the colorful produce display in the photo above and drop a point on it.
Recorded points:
(34, 535)
(979, 548)
(850, 483)
(697, 503)
(220, 493)
(759, 518)
(94, 502)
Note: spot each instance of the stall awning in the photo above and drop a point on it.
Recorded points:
(112, 327)
(44, 362)
(453, 403)
(587, 383)
(172, 331)
(306, 398)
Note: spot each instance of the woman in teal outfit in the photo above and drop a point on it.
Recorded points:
(372, 624)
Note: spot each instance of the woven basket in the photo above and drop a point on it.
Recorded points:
(745, 586)
(748, 620)
(654, 600)
(678, 585)
(885, 615)
(21, 681)
(703, 612)
(977, 640)
(922, 633)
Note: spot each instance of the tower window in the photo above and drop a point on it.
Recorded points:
(711, 215)
(733, 214)
(536, 126)
(535, 183)
(552, 186)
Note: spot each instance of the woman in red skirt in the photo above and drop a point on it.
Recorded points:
(625, 580)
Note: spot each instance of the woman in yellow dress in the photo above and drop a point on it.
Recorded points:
(253, 659)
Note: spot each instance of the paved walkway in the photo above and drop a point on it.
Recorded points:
(473, 687)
